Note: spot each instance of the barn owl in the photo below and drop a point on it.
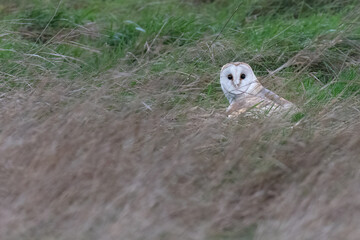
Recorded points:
(245, 92)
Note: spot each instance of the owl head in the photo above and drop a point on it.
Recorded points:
(236, 79)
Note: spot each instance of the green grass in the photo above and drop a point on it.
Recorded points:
(176, 37)
(247, 233)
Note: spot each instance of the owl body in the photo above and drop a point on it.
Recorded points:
(245, 92)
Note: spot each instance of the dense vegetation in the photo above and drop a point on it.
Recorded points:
(113, 126)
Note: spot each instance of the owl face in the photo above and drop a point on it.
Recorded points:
(237, 78)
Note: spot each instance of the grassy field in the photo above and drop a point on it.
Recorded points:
(113, 124)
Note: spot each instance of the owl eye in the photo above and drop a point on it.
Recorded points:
(242, 76)
(230, 77)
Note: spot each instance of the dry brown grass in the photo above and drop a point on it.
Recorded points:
(78, 171)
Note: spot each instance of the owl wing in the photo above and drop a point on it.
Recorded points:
(267, 94)
(251, 103)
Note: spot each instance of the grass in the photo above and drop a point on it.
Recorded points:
(113, 126)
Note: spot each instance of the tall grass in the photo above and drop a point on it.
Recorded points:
(113, 126)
